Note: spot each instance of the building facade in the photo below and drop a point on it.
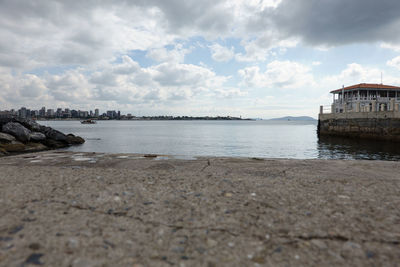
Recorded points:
(366, 97)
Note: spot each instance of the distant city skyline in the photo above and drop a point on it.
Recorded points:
(65, 113)
(249, 58)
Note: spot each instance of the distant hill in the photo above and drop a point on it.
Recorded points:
(290, 118)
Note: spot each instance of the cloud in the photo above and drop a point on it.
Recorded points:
(355, 73)
(326, 22)
(221, 53)
(395, 63)
(139, 53)
(162, 54)
(279, 75)
(259, 48)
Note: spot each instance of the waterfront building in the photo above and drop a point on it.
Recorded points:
(96, 112)
(363, 110)
(366, 97)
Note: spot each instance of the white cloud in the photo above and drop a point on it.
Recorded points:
(354, 74)
(395, 63)
(316, 63)
(162, 54)
(221, 53)
(278, 75)
(260, 48)
(394, 47)
(229, 92)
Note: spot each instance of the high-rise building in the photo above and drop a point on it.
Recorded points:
(96, 112)
(42, 112)
(111, 114)
(74, 113)
(50, 112)
(59, 113)
(22, 112)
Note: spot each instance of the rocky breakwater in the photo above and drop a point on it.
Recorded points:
(23, 135)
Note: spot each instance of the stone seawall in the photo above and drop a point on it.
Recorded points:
(372, 125)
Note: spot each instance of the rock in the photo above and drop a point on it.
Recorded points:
(54, 144)
(37, 137)
(30, 124)
(20, 147)
(54, 134)
(6, 138)
(74, 140)
(3, 152)
(17, 130)
(35, 147)
(13, 147)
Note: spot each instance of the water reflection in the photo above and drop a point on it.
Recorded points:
(331, 147)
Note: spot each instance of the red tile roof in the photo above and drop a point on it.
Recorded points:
(367, 86)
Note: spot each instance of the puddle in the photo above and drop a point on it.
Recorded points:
(184, 157)
(122, 157)
(162, 158)
(82, 159)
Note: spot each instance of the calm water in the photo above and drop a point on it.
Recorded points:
(268, 139)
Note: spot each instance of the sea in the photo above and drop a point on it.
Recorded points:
(252, 139)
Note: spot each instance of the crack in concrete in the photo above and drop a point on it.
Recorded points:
(340, 238)
(205, 167)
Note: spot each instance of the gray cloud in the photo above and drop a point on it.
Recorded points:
(336, 22)
(192, 15)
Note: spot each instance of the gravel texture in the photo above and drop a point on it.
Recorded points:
(85, 209)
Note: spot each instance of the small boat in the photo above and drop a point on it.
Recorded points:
(89, 121)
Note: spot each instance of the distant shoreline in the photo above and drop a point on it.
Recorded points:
(153, 119)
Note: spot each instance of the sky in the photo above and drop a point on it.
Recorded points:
(249, 58)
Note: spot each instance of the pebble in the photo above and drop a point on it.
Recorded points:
(231, 244)
(351, 249)
(370, 254)
(34, 246)
(228, 194)
(34, 258)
